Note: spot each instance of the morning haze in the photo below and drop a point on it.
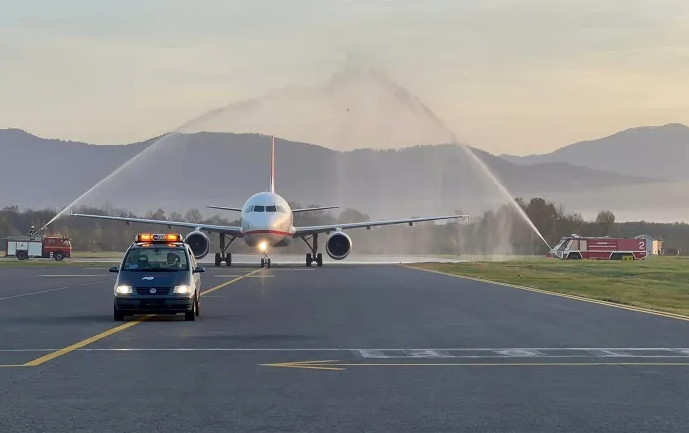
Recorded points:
(513, 77)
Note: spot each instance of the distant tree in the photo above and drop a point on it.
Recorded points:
(520, 202)
(108, 209)
(193, 216)
(605, 220)
(577, 218)
(501, 231)
(351, 216)
(157, 215)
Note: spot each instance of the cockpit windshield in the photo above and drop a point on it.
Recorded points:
(269, 208)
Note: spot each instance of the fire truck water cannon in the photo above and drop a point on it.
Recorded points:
(575, 247)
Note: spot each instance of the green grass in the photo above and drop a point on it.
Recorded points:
(660, 283)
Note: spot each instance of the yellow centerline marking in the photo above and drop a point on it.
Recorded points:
(561, 295)
(86, 342)
(227, 283)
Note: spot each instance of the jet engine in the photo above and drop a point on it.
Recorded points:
(338, 245)
(199, 243)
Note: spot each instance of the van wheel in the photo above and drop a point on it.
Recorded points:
(198, 312)
(118, 315)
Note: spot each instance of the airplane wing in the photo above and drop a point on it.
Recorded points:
(228, 230)
(310, 230)
(307, 209)
(236, 209)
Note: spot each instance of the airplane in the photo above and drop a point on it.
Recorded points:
(267, 222)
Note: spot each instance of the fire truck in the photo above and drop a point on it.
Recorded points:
(47, 247)
(575, 247)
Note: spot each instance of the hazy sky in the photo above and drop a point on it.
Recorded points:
(515, 76)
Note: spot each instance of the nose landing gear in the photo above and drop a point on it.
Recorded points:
(265, 261)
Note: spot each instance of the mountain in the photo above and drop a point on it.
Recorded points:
(651, 151)
(179, 171)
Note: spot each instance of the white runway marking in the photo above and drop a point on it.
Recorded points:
(573, 352)
(247, 276)
(57, 289)
(285, 270)
(27, 350)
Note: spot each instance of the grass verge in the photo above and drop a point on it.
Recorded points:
(660, 283)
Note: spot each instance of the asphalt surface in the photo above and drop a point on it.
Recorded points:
(400, 350)
(298, 259)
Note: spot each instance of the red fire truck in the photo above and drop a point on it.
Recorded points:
(48, 247)
(599, 248)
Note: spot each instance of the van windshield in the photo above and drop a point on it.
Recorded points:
(155, 259)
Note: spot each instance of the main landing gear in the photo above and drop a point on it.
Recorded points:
(314, 255)
(223, 255)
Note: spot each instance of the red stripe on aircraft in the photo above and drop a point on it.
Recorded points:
(272, 232)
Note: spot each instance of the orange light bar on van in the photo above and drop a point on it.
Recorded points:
(148, 237)
(144, 237)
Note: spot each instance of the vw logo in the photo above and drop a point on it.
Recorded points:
(153, 290)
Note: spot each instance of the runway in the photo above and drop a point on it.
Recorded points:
(299, 259)
(375, 348)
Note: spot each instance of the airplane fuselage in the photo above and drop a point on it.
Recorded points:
(267, 220)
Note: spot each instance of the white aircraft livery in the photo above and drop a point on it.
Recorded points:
(267, 222)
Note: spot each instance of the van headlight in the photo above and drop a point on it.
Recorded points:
(182, 290)
(123, 290)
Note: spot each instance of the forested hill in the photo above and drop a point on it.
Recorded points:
(208, 167)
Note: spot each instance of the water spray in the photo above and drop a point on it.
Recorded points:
(117, 170)
(252, 115)
(482, 166)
